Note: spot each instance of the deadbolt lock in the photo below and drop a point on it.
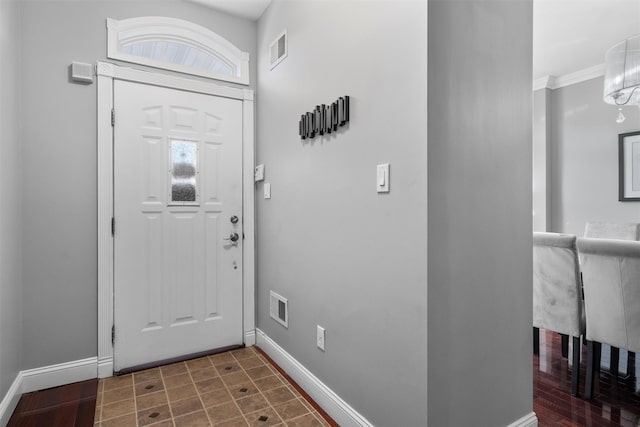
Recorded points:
(234, 219)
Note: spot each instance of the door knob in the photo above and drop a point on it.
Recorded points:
(233, 237)
(234, 219)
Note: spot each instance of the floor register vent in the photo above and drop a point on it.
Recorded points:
(279, 309)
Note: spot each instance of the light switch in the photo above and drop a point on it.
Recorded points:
(267, 190)
(259, 173)
(382, 178)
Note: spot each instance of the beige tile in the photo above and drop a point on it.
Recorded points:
(148, 387)
(97, 414)
(177, 380)
(99, 398)
(124, 421)
(307, 420)
(268, 383)
(279, 395)
(263, 417)
(146, 375)
(243, 353)
(174, 369)
(204, 374)
(228, 368)
(291, 409)
(200, 363)
(209, 385)
(223, 412)
(117, 394)
(150, 400)
(195, 419)
(182, 392)
(250, 362)
(241, 390)
(321, 419)
(293, 390)
(217, 359)
(118, 409)
(252, 403)
(259, 372)
(153, 415)
(165, 423)
(236, 422)
(215, 397)
(235, 378)
(186, 406)
(117, 382)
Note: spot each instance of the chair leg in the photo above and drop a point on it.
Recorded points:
(588, 386)
(565, 345)
(575, 370)
(615, 358)
(536, 340)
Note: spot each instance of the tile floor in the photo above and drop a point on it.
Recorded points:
(236, 388)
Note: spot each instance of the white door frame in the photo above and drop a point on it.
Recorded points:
(107, 73)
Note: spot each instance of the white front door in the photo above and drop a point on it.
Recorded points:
(177, 210)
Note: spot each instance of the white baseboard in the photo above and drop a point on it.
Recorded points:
(529, 420)
(105, 367)
(61, 374)
(10, 400)
(250, 338)
(337, 408)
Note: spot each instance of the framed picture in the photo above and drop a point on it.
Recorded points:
(629, 166)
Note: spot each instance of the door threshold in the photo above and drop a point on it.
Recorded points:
(150, 365)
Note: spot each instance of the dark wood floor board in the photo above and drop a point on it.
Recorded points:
(616, 399)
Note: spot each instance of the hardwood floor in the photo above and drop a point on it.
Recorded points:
(616, 401)
(72, 405)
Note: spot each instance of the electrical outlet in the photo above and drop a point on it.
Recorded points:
(320, 338)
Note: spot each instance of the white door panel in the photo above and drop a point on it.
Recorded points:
(177, 183)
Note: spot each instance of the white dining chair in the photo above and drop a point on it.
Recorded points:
(557, 295)
(611, 279)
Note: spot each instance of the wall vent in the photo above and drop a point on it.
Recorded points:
(278, 49)
(279, 309)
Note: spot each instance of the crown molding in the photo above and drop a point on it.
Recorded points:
(556, 82)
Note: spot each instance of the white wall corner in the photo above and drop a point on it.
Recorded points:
(248, 94)
(529, 420)
(60, 374)
(10, 400)
(328, 400)
(105, 367)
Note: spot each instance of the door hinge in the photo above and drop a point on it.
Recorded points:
(113, 226)
(113, 334)
(113, 117)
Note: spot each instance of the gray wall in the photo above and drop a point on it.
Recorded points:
(480, 157)
(347, 258)
(10, 189)
(59, 164)
(541, 151)
(584, 158)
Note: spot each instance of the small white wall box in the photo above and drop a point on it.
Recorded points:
(278, 49)
(279, 309)
(82, 72)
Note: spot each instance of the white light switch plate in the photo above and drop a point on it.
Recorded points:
(320, 337)
(382, 178)
(259, 173)
(267, 190)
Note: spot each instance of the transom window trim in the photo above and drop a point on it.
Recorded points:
(177, 45)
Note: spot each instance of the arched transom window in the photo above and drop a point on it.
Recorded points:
(177, 45)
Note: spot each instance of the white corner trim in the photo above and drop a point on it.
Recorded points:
(545, 82)
(249, 338)
(529, 420)
(337, 408)
(60, 374)
(105, 367)
(10, 400)
(553, 82)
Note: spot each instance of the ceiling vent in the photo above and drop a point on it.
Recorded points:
(278, 49)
